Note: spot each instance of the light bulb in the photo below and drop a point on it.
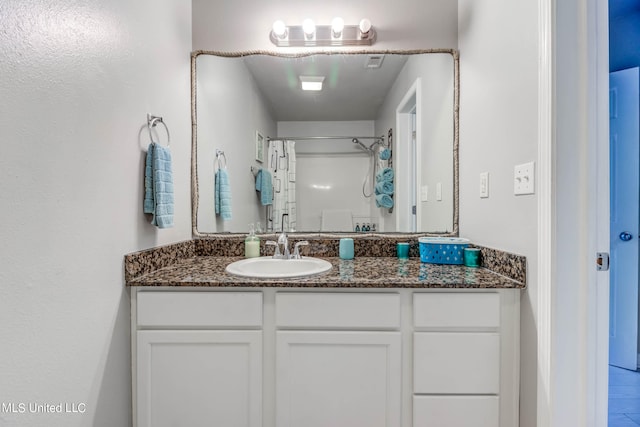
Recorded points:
(279, 29)
(309, 28)
(365, 26)
(337, 25)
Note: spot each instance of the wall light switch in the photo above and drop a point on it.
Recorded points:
(524, 179)
(424, 193)
(439, 192)
(484, 185)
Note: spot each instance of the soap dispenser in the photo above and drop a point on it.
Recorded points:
(252, 243)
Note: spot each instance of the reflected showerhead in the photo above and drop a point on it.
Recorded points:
(357, 141)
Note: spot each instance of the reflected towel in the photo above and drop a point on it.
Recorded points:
(385, 174)
(385, 154)
(158, 186)
(384, 201)
(384, 187)
(264, 185)
(223, 194)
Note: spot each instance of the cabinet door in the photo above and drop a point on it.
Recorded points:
(199, 378)
(456, 363)
(455, 411)
(334, 379)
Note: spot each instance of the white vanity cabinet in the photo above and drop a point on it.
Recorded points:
(465, 359)
(338, 360)
(326, 357)
(198, 359)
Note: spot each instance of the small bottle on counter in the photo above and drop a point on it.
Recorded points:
(357, 227)
(252, 243)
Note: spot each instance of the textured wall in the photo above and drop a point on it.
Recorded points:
(76, 82)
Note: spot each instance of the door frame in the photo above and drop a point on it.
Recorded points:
(411, 101)
(573, 213)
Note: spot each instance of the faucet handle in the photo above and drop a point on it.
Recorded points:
(296, 251)
(276, 253)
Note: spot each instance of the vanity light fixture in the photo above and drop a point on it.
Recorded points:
(311, 82)
(337, 34)
(309, 29)
(280, 30)
(337, 26)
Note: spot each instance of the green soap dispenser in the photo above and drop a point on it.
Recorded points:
(252, 243)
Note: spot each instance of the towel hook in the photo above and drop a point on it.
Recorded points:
(219, 156)
(152, 121)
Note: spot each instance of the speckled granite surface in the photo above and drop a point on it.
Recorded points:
(201, 262)
(362, 272)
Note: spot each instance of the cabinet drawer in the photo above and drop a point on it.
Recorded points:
(434, 310)
(456, 411)
(200, 309)
(456, 363)
(338, 310)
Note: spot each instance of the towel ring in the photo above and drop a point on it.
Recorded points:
(152, 121)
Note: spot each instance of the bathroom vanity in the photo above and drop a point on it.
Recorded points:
(377, 341)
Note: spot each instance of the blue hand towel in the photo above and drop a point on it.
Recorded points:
(384, 201)
(223, 194)
(265, 186)
(385, 174)
(158, 186)
(384, 187)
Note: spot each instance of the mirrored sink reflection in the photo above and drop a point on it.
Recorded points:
(270, 268)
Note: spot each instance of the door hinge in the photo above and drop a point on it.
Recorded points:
(602, 261)
(413, 210)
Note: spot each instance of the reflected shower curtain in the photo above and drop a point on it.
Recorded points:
(281, 215)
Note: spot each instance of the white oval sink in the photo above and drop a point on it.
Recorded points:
(268, 268)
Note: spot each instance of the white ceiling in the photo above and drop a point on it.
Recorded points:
(350, 91)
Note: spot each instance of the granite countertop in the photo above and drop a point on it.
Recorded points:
(361, 272)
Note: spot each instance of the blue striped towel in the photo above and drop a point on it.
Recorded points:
(158, 186)
(223, 194)
(264, 185)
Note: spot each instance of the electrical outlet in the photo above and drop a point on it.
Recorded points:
(524, 179)
(424, 193)
(484, 185)
(439, 192)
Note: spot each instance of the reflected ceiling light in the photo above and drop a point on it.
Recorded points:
(280, 30)
(311, 82)
(336, 34)
(337, 25)
(309, 29)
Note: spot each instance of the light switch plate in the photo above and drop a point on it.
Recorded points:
(439, 192)
(484, 185)
(524, 179)
(424, 193)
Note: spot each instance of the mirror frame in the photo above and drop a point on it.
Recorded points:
(311, 235)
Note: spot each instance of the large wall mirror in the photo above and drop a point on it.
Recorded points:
(374, 148)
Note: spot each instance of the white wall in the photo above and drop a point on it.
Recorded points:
(77, 82)
(435, 72)
(498, 129)
(230, 111)
(330, 173)
(394, 21)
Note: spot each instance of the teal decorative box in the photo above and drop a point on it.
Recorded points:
(442, 250)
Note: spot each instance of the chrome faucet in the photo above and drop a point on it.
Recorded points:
(285, 253)
(284, 240)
